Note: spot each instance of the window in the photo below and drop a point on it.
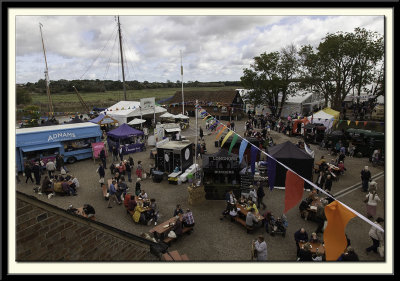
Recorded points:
(34, 155)
(78, 144)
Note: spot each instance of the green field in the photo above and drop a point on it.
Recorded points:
(115, 96)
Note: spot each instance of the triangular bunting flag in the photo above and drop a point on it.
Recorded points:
(356, 123)
(348, 122)
(271, 172)
(220, 133)
(234, 139)
(253, 159)
(219, 128)
(226, 137)
(334, 235)
(365, 123)
(242, 149)
(294, 188)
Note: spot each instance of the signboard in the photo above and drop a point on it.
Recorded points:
(97, 147)
(147, 103)
(106, 120)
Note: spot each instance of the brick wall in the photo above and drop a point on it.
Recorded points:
(48, 233)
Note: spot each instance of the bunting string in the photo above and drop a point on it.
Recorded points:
(204, 112)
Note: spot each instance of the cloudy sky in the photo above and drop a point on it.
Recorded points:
(214, 48)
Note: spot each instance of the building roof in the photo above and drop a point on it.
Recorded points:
(55, 128)
(223, 96)
(175, 145)
(288, 150)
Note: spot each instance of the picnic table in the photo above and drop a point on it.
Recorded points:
(242, 211)
(314, 247)
(314, 204)
(161, 231)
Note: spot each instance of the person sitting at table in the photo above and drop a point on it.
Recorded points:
(314, 238)
(139, 216)
(328, 183)
(127, 198)
(349, 255)
(46, 186)
(131, 203)
(178, 210)
(305, 253)
(269, 220)
(178, 226)
(251, 220)
(143, 195)
(300, 236)
(317, 257)
(242, 200)
(188, 220)
(153, 212)
(252, 205)
(230, 201)
(233, 213)
(137, 187)
(67, 190)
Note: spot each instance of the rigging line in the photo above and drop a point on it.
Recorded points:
(131, 53)
(109, 59)
(97, 55)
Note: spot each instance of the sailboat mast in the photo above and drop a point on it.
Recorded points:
(183, 98)
(122, 57)
(46, 74)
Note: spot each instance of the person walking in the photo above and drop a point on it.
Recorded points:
(58, 162)
(365, 177)
(121, 152)
(115, 153)
(102, 173)
(139, 170)
(376, 235)
(328, 183)
(51, 168)
(201, 134)
(138, 187)
(28, 172)
(260, 248)
(103, 158)
(372, 199)
(36, 172)
(113, 194)
(128, 170)
(260, 195)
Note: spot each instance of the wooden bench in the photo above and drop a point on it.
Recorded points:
(168, 240)
(242, 222)
(174, 256)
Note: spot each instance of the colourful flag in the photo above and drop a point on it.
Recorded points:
(219, 127)
(220, 132)
(242, 149)
(234, 139)
(226, 138)
(294, 188)
(356, 123)
(254, 153)
(348, 122)
(206, 117)
(365, 123)
(334, 235)
(271, 172)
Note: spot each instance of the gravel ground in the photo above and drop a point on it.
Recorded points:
(213, 239)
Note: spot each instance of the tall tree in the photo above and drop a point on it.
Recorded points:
(343, 62)
(269, 78)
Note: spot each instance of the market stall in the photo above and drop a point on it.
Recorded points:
(174, 154)
(221, 174)
(130, 138)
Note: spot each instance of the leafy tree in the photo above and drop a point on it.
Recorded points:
(270, 77)
(343, 62)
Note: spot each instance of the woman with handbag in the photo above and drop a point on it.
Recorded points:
(371, 200)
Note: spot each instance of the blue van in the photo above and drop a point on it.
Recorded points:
(71, 140)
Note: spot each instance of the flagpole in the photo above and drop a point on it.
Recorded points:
(195, 148)
(183, 99)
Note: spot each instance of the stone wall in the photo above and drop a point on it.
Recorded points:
(48, 233)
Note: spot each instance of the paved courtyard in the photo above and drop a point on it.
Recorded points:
(215, 240)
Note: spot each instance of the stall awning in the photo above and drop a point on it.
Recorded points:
(173, 130)
(40, 147)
